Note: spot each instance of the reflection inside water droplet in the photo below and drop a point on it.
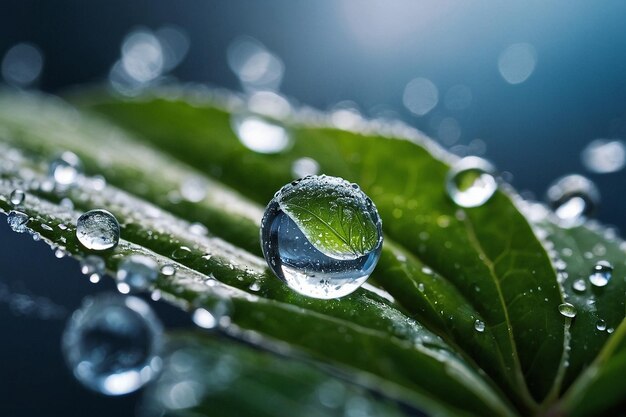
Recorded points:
(470, 182)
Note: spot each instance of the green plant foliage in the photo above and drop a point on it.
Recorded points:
(506, 264)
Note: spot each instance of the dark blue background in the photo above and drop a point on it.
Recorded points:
(362, 51)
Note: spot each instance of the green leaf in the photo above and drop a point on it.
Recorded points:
(335, 217)
(447, 269)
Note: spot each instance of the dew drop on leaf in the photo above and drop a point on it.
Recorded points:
(321, 236)
(601, 274)
(98, 230)
(471, 182)
(567, 310)
(573, 198)
(93, 267)
(579, 285)
(65, 169)
(214, 309)
(479, 326)
(136, 273)
(601, 325)
(112, 344)
(17, 197)
(17, 221)
(168, 270)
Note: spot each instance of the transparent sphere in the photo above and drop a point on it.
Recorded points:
(112, 344)
(573, 198)
(470, 182)
(322, 236)
(98, 230)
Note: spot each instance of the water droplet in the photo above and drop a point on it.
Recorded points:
(17, 221)
(168, 270)
(60, 253)
(198, 229)
(601, 325)
(93, 266)
(303, 167)
(255, 286)
(470, 182)
(610, 330)
(573, 198)
(22, 65)
(421, 287)
(479, 326)
(215, 310)
(112, 344)
(567, 310)
(17, 197)
(259, 135)
(65, 170)
(321, 236)
(604, 156)
(98, 230)
(579, 285)
(601, 274)
(194, 189)
(182, 252)
(136, 273)
(517, 62)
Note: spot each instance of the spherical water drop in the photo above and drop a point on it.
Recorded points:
(579, 285)
(573, 198)
(601, 325)
(65, 169)
(112, 344)
(214, 310)
(98, 230)
(610, 330)
(17, 197)
(567, 310)
(17, 221)
(136, 273)
(601, 274)
(321, 236)
(479, 326)
(470, 182)
(168, 270)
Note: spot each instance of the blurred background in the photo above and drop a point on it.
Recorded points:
(537, 87)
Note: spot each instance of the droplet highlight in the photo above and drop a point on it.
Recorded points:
(601, 274)
(65, 170)
(573, 198)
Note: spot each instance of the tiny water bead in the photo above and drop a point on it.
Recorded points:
(168, 270)
(214, 310)
(17, 197)
(601, 274)
(98, 230)
(573, 198)
(567, 310)
(479, 326)
(65, 169)
(579, 285)
(17, 221)
(322, 236)
(601, 325)
(136, 273)
(471, 182)
(112, 344)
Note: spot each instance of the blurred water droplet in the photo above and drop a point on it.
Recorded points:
(260, 135)
(198, 229)
(65, 170)
(470, 182)
(17, 197)
(182, 252)
(142, 56)
(601, 325)
(579, 285)
(449, 131)
(255, 66)
(610, 330)
(420, 96)
(93, 266)
(517, 62)
(17, 221)
(303, 167)
(601, 274)
(194, 189)
(112, 344)
(22, 65)
(137, 273)
(310, 259)
(479, 326)
(174, 45)
(168, 270)
(604, 156)
(98, 230)
(567, 310)
(573, 198)
(270, 104)
(214, 310)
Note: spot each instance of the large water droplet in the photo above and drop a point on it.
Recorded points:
(112, 344)
(17, 197)
(98, 230)
(567, 310)
(17, 221)
(136, 273)
(573, 198)
(65, 169)
(604, 156)
(322, 236)
(479, 326)
(470, 182)
(601, 274)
